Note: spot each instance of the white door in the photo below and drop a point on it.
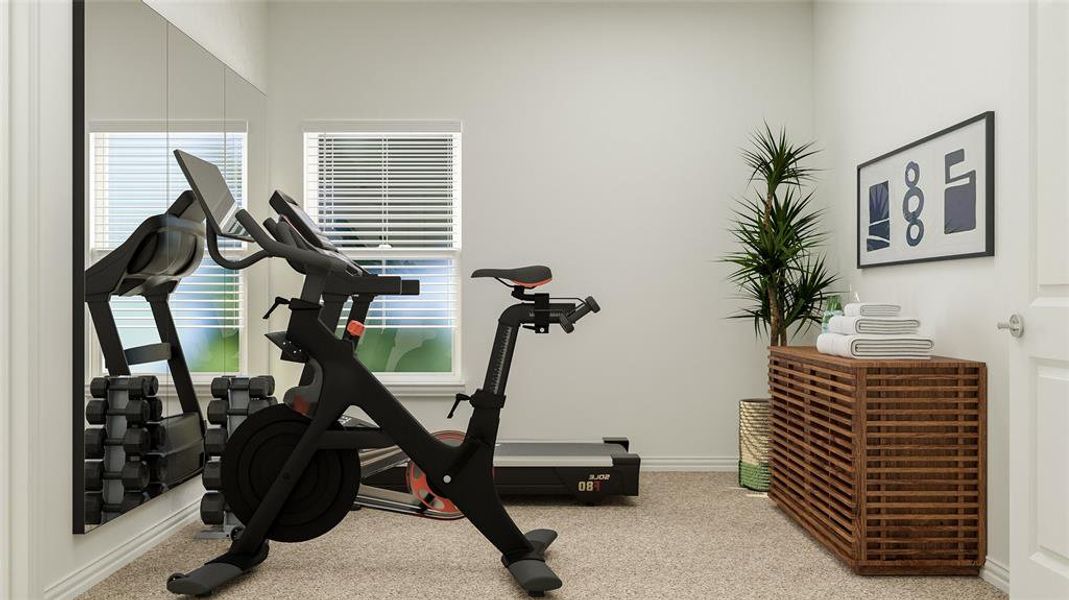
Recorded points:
(1039, 359)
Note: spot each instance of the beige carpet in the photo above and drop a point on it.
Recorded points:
(689, 535)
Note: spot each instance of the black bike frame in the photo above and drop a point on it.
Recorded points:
(461, 473)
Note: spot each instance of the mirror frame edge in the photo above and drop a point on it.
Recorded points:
(78, 267)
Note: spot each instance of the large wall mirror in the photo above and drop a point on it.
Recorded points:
(155, 319)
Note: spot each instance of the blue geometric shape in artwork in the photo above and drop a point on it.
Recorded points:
(876, 244)
(881, 230)
(879, 236)
(959, 201)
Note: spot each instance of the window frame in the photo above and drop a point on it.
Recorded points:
(415, 384)
(94, 356)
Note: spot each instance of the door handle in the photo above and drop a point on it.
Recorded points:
(1015, 325)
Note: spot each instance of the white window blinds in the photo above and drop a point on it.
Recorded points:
(391, 201)
(133, 175)
(379, 190)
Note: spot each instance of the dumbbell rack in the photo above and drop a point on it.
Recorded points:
(233, 400)
(124, 466)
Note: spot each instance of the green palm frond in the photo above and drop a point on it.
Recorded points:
(779, 234)
(775, 161)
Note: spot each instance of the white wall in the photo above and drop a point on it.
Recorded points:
(600, 139)
(235, 31)
(46, 560)
(873, 94)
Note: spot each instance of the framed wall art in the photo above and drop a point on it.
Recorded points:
(933, 199)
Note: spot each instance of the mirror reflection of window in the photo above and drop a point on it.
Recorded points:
(133, 175)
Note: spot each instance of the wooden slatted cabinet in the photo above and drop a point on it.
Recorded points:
(883, 461)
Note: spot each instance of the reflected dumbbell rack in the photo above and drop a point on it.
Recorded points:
(132, 451)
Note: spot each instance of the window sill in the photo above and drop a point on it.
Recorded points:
(424, 389)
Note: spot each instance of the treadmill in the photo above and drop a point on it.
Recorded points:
(586, 471)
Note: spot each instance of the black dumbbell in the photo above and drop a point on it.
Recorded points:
(258, 387)
(213, 508)
(143, 386)
(138, 387)
(134, 441)
(262, 386)
(137, 411)
(149, 385)
(98, 387)
(93, 441)
(213, 475)
(219, 410)
(96, 411)
(134, 475)
(220, 387)
(138, 440)
(215, 441)
(142, 411)
(95, 507)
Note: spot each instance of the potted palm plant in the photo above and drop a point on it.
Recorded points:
(779, 270)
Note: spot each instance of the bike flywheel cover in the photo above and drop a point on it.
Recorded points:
(254, 457)
(419, 487)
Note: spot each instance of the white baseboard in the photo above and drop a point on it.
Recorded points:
(997, 574)
(690, 463)
(86, 577)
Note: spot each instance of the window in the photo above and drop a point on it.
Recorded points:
(391, 201)
(133, 175)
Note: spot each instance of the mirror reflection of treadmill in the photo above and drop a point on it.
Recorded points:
(214, 195)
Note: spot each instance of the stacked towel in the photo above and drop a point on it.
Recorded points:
(871, 309)
(873, 325)
(874, 330)
(875, 346)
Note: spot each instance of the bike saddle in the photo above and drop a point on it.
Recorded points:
(528, 277)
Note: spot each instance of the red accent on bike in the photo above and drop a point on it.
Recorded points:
(355, 328)
(531, 285)
(418, 485)
(301, 405)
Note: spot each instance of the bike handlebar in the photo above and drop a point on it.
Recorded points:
(567, 321)
(301, 254)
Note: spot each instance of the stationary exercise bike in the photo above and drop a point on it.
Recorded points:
(292, 477)
(389, 481)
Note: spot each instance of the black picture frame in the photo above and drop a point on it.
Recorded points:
(988, 118)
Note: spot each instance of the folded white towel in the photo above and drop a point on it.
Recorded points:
(875, 346)
(871, 309)
(873, 325)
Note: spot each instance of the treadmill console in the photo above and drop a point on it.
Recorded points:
(214, 195)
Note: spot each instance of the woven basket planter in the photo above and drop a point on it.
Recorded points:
(754, 418)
